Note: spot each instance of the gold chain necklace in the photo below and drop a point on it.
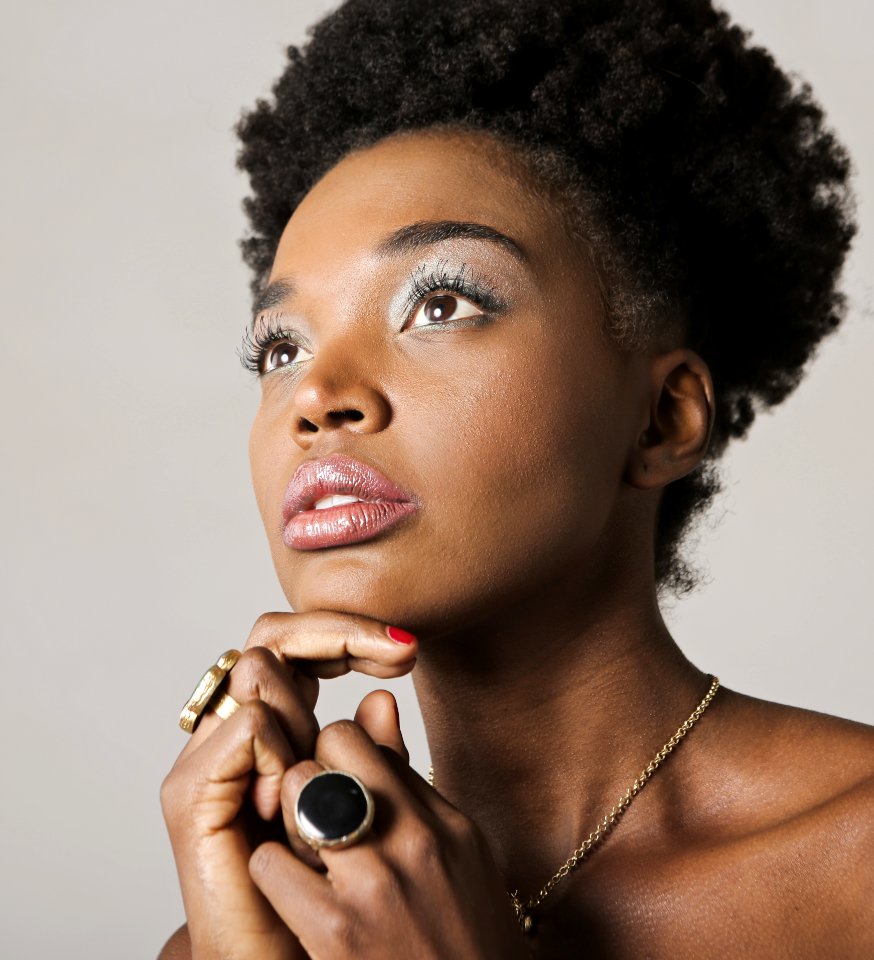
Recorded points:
(524, 909)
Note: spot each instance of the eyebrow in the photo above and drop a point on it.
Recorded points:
(424, 233)
(413, 236)
(272, 296)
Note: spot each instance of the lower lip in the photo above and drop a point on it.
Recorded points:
(343, 524)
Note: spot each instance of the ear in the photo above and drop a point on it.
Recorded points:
(676, 427)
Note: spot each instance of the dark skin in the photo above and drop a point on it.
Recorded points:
(545, 673)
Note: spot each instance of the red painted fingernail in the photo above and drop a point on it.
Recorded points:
(400, 636)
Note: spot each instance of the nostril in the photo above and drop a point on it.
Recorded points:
(333, 417)
(340, 415)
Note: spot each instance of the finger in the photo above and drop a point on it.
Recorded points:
(304, 899)
(260, 675)
(357, 860)
(294, 780)
(249, 745)
(328, 669)
(378, 715)
(399, 811)
(346, 745)
(329, 644)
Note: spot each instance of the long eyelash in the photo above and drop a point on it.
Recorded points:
(427, 280)
(257, 342)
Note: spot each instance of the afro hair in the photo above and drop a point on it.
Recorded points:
(712, 192)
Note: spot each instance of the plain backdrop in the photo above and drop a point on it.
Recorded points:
(133, 550)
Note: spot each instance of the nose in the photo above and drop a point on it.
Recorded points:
(336, 398)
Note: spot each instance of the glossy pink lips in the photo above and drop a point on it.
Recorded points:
(381, 504)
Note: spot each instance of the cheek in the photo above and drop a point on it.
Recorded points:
(522, 462)
(268, 462)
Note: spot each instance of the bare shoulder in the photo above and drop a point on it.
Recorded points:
(796, 811)
(805, 757)
(763, 845)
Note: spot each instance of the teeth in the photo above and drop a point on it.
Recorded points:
(333, 501)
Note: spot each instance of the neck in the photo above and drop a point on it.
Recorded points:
(538, 721)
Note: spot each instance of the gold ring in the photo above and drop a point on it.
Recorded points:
(205, 691)
(223, 704)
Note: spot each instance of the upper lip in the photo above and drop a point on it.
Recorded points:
(337, 474)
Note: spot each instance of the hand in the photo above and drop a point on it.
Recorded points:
(222, 797)
(422, 883)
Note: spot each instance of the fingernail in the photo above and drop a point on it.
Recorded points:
(400, 636)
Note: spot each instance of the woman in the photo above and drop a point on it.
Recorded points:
(522, 271)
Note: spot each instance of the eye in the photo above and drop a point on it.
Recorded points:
(270, 347)
(442, 308)
(281, 354)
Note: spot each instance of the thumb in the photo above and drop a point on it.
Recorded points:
(378, 714)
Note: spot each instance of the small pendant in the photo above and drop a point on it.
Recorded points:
(524, 918)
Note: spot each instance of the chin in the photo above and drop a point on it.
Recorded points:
(355, 589)
(391, 588)
(383, 602)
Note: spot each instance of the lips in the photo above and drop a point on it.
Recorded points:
(381, 503)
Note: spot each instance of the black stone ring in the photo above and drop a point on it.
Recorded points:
(334, 810)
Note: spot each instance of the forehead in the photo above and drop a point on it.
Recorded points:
(428, 175)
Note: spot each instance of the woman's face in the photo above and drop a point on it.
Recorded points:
(503, 409)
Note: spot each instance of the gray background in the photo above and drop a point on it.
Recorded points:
(133, 551)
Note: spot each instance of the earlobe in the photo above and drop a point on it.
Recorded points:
(679, 421)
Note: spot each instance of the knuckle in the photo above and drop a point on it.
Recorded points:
(340, 732)
(243, 673)
(256, 661)
(348, 635)
(262, 630)
(340, 929)
(257, 715)
(360, 639)
(424, 847)
(378, 885)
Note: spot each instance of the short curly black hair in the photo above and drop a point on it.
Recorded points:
(706, 180)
